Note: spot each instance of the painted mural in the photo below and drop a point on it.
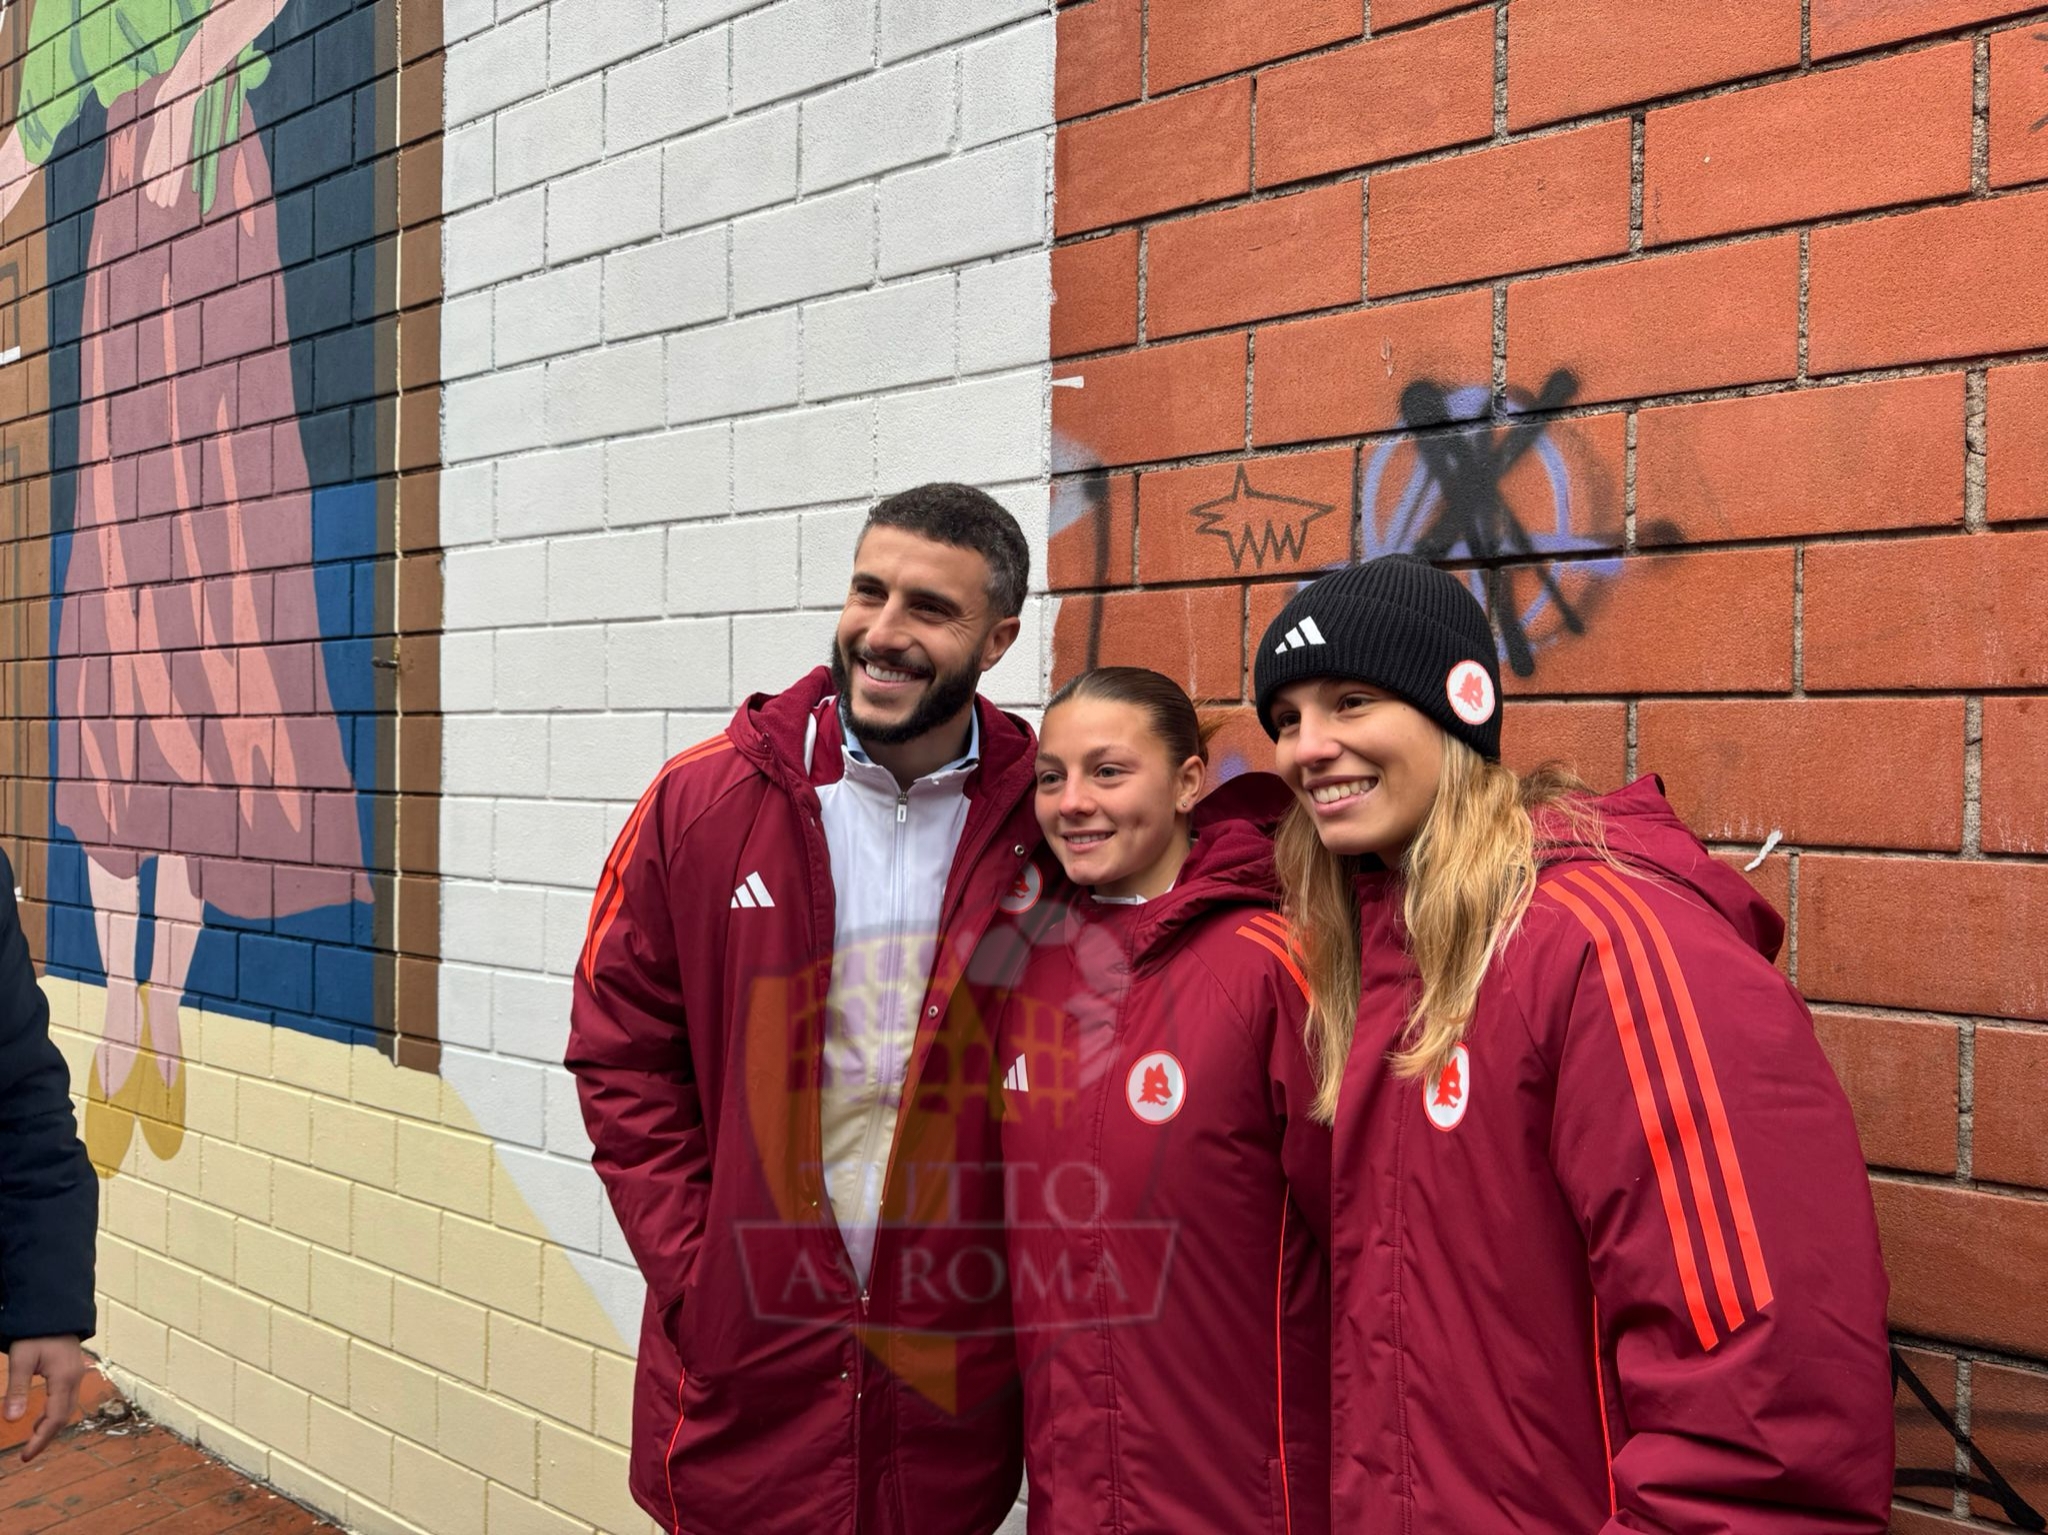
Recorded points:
(201, 210)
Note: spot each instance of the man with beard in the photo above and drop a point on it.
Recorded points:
(778, 1037)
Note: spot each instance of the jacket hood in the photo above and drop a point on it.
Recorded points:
(794, 738)
(1644, 833)
(1230, 863)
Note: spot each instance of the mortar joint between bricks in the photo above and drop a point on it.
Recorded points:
(1252, 143)
(1975, 443)
(1497, 406)
(1966, 1100)
(1792, 917)
(1799, 621)
(1144, 254)
(1636, 135)
(1144, 50)
(1805, 285)
(1959, 1503)
(1628, 483)
(1251, 345)
(1980, 117)
(1365, 236)
(1973, 778)
(1500, 71)
(959, 134)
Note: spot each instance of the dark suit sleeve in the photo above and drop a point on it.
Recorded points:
(49, 1198)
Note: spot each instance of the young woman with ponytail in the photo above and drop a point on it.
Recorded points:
(1168, 1186)
(1602, 1244)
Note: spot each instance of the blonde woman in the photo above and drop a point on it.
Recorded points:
(1603, 1252)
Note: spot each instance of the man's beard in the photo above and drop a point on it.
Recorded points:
(944, 696)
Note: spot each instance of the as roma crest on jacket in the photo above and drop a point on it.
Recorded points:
(1446, 1092)
(1156, 1087)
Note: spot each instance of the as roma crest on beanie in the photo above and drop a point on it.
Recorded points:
(1400, 624)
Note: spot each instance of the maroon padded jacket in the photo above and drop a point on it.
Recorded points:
(1169, 1196)
(773, 1395)
(1616, 1268)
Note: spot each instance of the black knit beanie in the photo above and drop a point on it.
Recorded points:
(1401, 625)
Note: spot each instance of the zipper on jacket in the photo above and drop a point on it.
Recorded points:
(859, 1392)
(948, 906)
(882, 1062)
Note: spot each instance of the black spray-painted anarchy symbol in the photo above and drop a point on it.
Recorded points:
(1467, 470)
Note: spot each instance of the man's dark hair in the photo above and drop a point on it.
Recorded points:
(965, 518)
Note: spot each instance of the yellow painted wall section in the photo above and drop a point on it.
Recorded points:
(332, 1283)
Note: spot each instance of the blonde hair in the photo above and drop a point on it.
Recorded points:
(1468, 876)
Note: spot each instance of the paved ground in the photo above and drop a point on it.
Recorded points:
(116, 1473)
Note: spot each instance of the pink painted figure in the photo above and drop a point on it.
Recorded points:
(193, 714)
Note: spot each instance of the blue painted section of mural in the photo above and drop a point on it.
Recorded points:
(313, 970)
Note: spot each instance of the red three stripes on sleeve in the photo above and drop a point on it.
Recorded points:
(611, 884)
(1622, 925)
(1270, 932)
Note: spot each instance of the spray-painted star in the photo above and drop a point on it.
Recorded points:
(1253, 522)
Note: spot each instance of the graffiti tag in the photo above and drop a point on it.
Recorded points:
(1258, 523)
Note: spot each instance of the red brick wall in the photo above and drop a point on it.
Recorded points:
(1714, 327)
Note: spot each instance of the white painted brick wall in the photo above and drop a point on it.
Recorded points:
(665, 284)
(466, 334)
(587, 34)
(816, 246)
(735, 367)
(719, 273)
(468, 166)
(912, 26)
(730, 168)
(895, 118)
(881, 339)
(804, 456)
(617, 203)
(793, 48)
(666, 92)
(546, 314)
(606, 393)
(550, 135)
(669, 476)
(495, 68)
(1006, 84)
(559, 492)
(494, 242)
(972, 205)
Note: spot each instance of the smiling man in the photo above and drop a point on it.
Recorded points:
(778, 1034)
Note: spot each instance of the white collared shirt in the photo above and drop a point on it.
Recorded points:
(891, 850)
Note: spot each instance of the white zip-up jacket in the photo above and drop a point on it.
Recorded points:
(891, 850)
